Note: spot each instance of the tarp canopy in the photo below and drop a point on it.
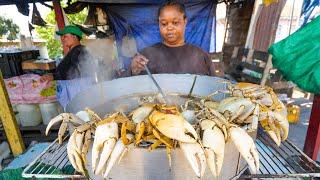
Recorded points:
(11, 2)
(136, 1)
(140, 22)
(308, 8)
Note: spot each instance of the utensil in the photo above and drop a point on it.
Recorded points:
(155, 83)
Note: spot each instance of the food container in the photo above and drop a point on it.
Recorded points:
(293, 113)
(29, 114)
(124, 94)
(48, 111)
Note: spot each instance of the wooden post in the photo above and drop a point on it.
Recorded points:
(9, 121)
(312, 142)
(253, 22)
(266, 71)
(58, 14)
(59, 19)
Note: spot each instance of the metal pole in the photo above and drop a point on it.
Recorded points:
(312, 142)
(291, 16)
(9, 121)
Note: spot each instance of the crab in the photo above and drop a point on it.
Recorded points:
(195, 156)
(70, 120)
(139, 117)
(169, 124)
(241, 110)
(106, 136)
(258, 93)
(214, 144)
(119, 150)
(173, 126)
(275, 124)
(66, 118)
(269, 110)
(239, 137)
(78, 146)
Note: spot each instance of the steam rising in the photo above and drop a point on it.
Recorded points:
(99, 61)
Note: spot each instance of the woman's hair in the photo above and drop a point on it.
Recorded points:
(181, 8)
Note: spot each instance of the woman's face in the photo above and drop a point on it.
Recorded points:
(172, 25)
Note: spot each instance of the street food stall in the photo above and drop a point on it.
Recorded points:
(106, 140)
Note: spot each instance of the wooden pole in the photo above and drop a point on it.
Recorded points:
(58, 14)
(59, 19)
(312, 142)
(266, 71)
(253, 22)
(9, 121)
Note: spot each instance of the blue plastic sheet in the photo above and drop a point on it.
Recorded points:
(67, 89)
(307, 10)
(141, 22)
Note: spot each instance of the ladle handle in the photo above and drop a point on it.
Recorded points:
(155, 82)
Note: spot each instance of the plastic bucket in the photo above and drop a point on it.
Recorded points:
(15, 111)
(29, 114)
(48, 111)
(293, 113)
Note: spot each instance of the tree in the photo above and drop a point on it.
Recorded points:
(8, 28)
(48, 33)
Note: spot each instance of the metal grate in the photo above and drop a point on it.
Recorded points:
(52, 163)
(286, 161)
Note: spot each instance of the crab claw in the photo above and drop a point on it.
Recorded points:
(74, 147)
(195, 156)
(173, 126)
(139, 114)
(214, 144)
(276, 125)
(283, 123)
(236, 107)
(105, 139)
(65, 118)
(118, 151)
(246, 147)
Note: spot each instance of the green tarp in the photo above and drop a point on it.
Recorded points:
(298, 57)
(10, 174)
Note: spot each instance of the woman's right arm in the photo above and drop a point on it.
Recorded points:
(138, 63)
(136, 66)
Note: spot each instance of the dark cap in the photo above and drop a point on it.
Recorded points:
(70, 29)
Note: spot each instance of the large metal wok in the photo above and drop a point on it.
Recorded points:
(124, 94)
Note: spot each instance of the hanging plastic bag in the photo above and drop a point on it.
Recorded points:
(128, 44)
(298, 57)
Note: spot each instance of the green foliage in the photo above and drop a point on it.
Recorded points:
(48, 33)
(8, 28)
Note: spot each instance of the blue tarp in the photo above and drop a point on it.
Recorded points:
(141, 22)
(307, 9)
(68, 89)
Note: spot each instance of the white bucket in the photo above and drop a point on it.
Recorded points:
(15, 111)
(48, 111)
(29, 114)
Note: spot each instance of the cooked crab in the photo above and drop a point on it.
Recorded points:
(241, 139)
(173, 126)
(213, 143)
(70, 120)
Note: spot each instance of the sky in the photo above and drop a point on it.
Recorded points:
(11, 12)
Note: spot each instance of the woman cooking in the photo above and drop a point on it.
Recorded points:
(173, 54)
